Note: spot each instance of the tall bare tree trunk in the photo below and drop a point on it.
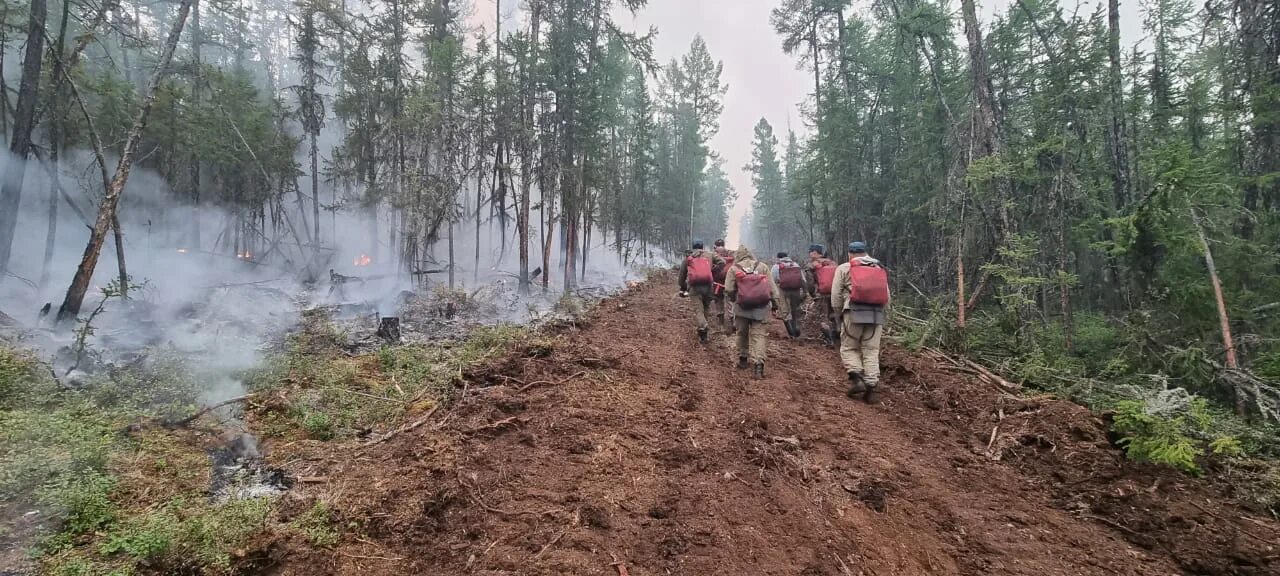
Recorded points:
(118, 235)
(985, 138)
(1225, 322)
(452, 262)
(23, 123)
(526, 147)
(58, 103)
(196, 43)
(107, 210)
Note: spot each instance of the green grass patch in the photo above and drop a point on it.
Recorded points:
(318, 525)
(187, 534)
(329, 394)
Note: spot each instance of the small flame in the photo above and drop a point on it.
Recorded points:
(182, 250)
(246, 255)
(363, 260)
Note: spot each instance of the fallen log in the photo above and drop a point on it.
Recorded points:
(993, 378)
(206, 410)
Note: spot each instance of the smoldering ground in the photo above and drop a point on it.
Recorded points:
(216, 286)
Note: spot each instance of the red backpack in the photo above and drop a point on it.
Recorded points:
(699, 271)
(868, 284)
(790, 277)
(825, 271)
(753, 289)
(728, 264)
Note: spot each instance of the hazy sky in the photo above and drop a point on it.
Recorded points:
(763, 81)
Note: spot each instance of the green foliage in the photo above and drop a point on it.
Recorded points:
(1226, 446)
(84, 500)
(17, 372)
(187, 535)
(318, 525)
(1155, 438)
(333, 395)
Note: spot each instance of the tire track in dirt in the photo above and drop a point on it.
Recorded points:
(663, 459)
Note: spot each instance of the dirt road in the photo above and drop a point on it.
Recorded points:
(629, 449)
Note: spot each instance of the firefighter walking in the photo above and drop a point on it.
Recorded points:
(861, 293)
(789, 277)
(697, 280)
(820, 274)
(748, 286)
(723, 306)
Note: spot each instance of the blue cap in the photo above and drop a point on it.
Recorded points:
(857, 248)
(698, 243)
(818, 248)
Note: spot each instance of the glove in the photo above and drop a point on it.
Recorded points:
(684, 294)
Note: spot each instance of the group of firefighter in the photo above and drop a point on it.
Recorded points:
(851, 298)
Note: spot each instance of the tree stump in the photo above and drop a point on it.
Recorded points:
(389, 329)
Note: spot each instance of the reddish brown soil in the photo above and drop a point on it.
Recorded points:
(635, 451)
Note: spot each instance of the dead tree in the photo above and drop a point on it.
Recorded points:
(107, 210)
(1223, 319)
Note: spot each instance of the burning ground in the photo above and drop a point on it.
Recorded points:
(155, 437)
(610, 444)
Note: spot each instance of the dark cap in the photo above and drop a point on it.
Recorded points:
(782, 255)
(857, 248)
(720, 242)
(818, 248)
(698, 243)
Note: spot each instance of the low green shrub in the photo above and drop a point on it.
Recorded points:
(1155, 438)
(187, 535)
(318, 525)
(1175, 429)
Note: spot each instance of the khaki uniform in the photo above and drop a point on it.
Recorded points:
(830, 319)
(701, 294)
(863, 325)
(722, 305)
(791, 301)
(751, 324)
(790, 304)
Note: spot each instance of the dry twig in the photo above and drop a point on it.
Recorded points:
(416, 424)
(557, 383)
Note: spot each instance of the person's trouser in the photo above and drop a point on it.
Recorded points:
(789, 309)
(830, 320)
(701, 296)
(790, 305)
(752, 344)
(860, 349)
(723, 308)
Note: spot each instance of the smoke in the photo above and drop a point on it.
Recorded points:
(216, 287)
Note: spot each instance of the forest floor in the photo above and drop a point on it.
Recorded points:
(628, 449)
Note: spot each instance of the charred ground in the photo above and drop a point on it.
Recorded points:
(622, 447)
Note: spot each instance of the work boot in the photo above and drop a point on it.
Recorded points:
(857, 386)
(832, 339)
(702, 335)
(872, 395)
(759, 370)
(795, 327)
(742, 363)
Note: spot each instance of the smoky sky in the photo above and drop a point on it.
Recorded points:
(763, 81)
